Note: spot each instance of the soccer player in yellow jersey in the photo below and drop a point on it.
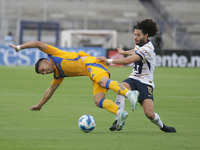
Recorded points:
(70, 64)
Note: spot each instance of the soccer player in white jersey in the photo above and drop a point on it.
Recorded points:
(143, 58)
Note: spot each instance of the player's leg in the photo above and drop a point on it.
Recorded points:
(148, 107)
(146, 100)
(102, 102)
(120, 99)
(132, 96)
(98, 72)
(120, 102)
(109, 105)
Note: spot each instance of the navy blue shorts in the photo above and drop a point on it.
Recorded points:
(146, 91)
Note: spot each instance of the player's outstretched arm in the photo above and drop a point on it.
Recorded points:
(121, 51)
(121, 61)
(32, 44)
(47, 95)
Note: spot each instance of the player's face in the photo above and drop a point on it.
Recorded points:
(46, 67)
(140, 38)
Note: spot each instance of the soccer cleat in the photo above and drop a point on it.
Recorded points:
(114, 126)
(133, 98)
(121, 118)
(168, 129)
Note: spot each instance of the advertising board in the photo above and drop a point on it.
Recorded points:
(169, 58)
(28, 57)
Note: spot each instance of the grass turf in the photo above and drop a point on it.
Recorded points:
(177, 101)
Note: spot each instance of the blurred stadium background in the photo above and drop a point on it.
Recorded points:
(179, 20)
(46, 20)
(177, 89)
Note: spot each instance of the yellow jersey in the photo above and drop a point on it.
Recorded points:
(66, 64)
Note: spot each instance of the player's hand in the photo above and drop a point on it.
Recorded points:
(14, 46)
(35, 108)
(120, 50)
(102, 58)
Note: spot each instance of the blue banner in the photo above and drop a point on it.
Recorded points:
(27, 57)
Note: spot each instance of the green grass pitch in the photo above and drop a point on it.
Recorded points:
(177, 101)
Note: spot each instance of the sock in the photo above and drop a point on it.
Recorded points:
(157, 121)
(116, 87)
(109, 105)
(119, 101)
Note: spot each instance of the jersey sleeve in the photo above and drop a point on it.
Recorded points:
(81, 53)
(51, 50)
(145, 52)
(57, 81)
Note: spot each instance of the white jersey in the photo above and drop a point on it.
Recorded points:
(143, 70)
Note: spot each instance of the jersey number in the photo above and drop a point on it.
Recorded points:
(136, 68)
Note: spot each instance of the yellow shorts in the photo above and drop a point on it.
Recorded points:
(96, 70)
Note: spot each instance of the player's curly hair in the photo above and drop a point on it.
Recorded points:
(148, 26)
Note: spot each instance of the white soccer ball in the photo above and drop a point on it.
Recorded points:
(86, 123)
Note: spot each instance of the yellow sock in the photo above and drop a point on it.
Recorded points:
(109, 105)
(116, 87)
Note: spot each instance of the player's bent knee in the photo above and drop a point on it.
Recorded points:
(150, 115)
(96, 103)
(102, 82)
(99, 98)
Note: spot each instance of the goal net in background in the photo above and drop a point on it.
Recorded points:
(89, 38)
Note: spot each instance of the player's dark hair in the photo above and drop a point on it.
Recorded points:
(38, 63)
(148, 26)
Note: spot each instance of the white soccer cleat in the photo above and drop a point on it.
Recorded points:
(133, 98)
(121, 118)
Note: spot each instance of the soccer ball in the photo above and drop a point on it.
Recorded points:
(86, 123)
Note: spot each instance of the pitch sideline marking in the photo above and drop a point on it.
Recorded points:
(92, 95)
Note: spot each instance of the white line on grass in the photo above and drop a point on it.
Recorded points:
(92, 95)
(42, 95)
(178, 96)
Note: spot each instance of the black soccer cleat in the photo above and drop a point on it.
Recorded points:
(168, 129)
(114, 126)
